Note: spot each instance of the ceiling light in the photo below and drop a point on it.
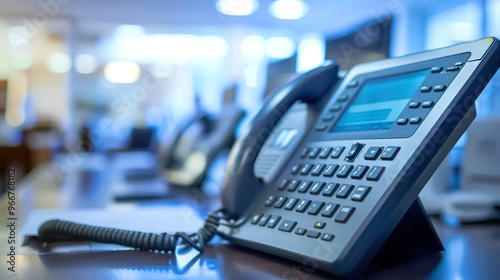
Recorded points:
(310, 54)
(122, 72)
(85, 64)
(253, 46)
(280, 47)
(288, 9)
(237, 7)
(59, 63)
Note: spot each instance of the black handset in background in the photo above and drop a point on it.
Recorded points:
(241, 185)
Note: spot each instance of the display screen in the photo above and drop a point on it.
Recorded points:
(380, 102)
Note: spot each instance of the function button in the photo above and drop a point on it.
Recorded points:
(300, 231)
(402, 121)
(293, 185)
(287, 225)
(354, 151)
(302, 206)
(344, 214)
(306, 168)
(315, 207)
(337, 151)
(373, 153)
(335, 108)
(374, 173)
(360, 193)
(436, 69)
(283, 184)
(256, 219)
(330, 189)
(359, 171)
(273, 221)
(390, 153)
(296, 168)
(425, 88)
(439, 88)
(270, 200)
(328, 118)
(427, 104)
(344, 171)
(314, 152)
(415, 120)
(325, 152)
(343, 98)
(313, 234)
(459, 63)
(329, 210)
(318, 168)
(414, 104)
(304, 186)
(327, 236)
(317, 187)
(344, 191)
(279, 202)
(321, 127)
(304, 152)
(452, 68)
(320, 225)
(352, 84)
(291, 203)
(263, 220)
(330, 170)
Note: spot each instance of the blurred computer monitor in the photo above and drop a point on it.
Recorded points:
(366, 42)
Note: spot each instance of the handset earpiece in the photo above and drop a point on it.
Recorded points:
(240, 184)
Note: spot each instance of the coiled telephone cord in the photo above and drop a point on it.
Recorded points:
(163, 242)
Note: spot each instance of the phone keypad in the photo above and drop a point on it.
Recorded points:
(322, 170)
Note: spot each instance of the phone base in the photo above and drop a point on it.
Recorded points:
(413, 237)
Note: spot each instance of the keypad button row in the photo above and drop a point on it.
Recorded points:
(323, 153)
(289, 226)
(374, 173)
(340, 191)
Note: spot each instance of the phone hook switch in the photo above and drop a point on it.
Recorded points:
(354, 151)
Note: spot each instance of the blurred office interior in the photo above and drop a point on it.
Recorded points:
(79, 77)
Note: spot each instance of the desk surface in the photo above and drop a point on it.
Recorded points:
(472, 251)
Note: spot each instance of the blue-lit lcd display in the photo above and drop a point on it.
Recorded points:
(380, 102)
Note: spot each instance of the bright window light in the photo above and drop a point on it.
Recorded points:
(85, 64)
(122, 72)
(237, 7)
(280, 47)
(252, 76)
(288, 9)
(311, 54)
(253, 46)
(59, 63)
(213, 47)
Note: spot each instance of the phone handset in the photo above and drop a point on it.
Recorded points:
(240, 183)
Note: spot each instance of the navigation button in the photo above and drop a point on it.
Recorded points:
(373, 153)
(427, 104)
(402, 121)
(320, 225)
(390, 153)
(313, 234)
(415, 120)
(439, 88)
(436, 69)
(414, 104)
(336, 108)
(327, 236)
(425, 88)
(300, 231)
(287, 225)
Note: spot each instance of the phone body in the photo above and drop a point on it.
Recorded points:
(345, 185)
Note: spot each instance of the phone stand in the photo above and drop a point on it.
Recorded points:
(413, 237)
